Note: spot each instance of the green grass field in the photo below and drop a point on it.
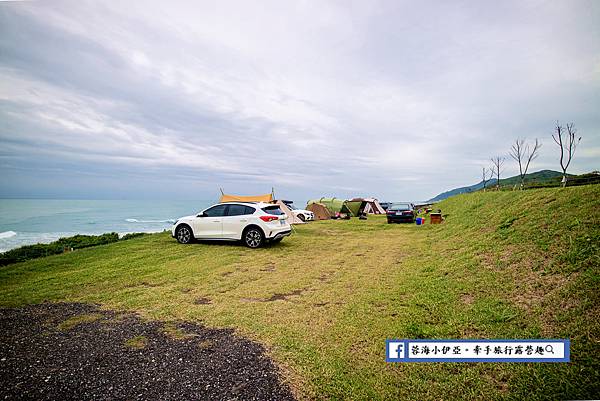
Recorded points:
(521, 264)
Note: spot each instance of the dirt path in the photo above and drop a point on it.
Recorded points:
(76, 351)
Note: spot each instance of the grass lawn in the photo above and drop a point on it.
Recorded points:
(519, 264)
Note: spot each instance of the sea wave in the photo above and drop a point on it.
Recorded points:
(25, 238)
(150, 221)
(8, 234)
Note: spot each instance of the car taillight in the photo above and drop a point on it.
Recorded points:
(269, 218)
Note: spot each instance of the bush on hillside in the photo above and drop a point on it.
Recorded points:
(62, 245)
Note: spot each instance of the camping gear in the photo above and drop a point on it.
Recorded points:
(436, 218)
(419, 221)
(291, 218)
(319, 210)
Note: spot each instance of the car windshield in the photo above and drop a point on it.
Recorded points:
(275, 210)
(400, 206)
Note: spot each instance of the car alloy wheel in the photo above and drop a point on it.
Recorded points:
(253, 238)
(184, 235)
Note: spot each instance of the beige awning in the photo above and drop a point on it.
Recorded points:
(255, 198)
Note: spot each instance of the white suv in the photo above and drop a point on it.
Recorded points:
(304, 215)
(252, 223)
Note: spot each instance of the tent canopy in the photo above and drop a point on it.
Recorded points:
(238, 198)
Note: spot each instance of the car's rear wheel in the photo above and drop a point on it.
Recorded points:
(184, 234)
(254, 237)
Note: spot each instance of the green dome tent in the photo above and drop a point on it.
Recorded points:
(334, 205)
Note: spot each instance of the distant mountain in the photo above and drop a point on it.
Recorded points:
(461, 190)
(538, 177)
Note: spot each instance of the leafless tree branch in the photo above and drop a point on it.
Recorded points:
(520, 152)
(497, 163)
(567, 141)
(484, 177)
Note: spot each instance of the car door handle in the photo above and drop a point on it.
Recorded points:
(243, 220)
(216, 221)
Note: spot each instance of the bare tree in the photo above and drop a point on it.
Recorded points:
(567, 146)
(520, 152)
(484, 178)
(497, 163)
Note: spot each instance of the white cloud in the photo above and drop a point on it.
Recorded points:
(321, 92)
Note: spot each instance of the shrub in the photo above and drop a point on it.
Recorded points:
(60, 246)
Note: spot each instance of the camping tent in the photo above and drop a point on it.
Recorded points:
(319, 210)
(355, 206)
(236, 198)
(334, 205)
(375, 206)
(365, 205)
(288, 212)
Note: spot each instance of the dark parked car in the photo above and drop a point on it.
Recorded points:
(401, 213)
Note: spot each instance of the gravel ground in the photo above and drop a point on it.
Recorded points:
(66, 351)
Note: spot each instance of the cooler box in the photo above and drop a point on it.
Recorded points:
(436, 218)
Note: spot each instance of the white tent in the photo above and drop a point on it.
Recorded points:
(374, 206)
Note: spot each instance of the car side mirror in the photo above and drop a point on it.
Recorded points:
(203, 214)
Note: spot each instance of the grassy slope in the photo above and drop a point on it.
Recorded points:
(503, 265)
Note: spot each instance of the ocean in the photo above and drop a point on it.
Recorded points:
(31, 221)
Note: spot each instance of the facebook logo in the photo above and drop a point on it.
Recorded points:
(395, 350)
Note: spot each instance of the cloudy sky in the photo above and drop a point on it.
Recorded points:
(396, 99)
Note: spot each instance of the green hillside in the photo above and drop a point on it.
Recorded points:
(541, 178)
(508, 264)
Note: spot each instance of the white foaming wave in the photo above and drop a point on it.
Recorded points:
(8, 234)
(149, 221)
(24, 238)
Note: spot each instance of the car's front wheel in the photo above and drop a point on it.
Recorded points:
(301, 217)
(184, 234)
(254, 237)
